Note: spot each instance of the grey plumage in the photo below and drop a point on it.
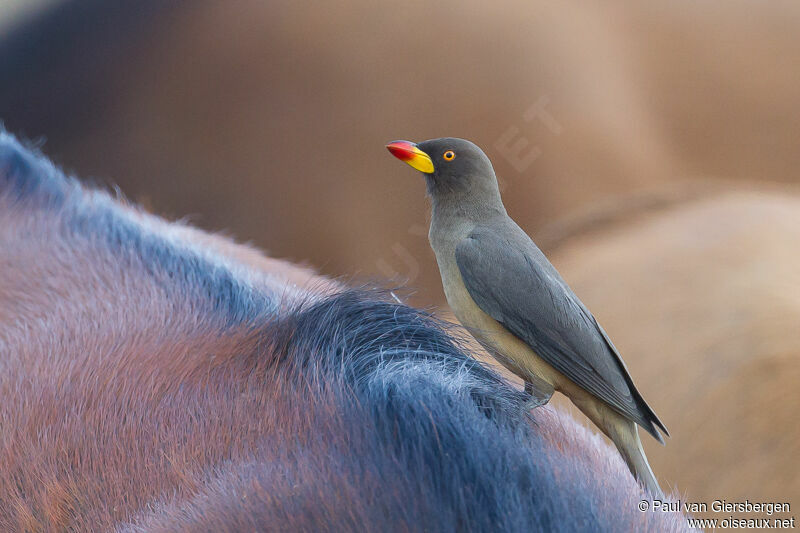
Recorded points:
(506, 293)
(511, 279)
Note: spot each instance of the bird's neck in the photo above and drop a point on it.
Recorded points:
(473, 206)
(454, 217)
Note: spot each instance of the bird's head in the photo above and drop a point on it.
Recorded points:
(452, 167)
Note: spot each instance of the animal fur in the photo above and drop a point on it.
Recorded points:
(156, 378)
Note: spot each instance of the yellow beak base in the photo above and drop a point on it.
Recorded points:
(408, 152)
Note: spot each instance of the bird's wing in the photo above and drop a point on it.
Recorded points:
(514, 283)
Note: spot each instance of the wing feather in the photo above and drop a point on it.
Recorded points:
(516, 285)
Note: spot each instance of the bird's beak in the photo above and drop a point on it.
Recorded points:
(408, 152)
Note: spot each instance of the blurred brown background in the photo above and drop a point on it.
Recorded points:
(651, 149)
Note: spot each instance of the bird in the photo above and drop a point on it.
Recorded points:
(511, 299)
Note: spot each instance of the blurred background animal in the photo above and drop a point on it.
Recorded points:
(656, 142)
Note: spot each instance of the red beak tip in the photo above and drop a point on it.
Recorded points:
(401, 149)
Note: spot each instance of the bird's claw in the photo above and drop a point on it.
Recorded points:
(539, 394)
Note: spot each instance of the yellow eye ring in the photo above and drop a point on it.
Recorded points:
(449, 155)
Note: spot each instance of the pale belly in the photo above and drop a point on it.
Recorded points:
(503, 345)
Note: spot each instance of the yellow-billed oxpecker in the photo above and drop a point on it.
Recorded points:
(506, 293)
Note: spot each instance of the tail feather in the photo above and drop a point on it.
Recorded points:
(624, 433)
(630, 447)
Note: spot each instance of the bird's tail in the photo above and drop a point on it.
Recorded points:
(626, 439)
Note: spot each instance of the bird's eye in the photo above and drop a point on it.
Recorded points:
(449, 155)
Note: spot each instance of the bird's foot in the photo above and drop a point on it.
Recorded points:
(539, 392)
